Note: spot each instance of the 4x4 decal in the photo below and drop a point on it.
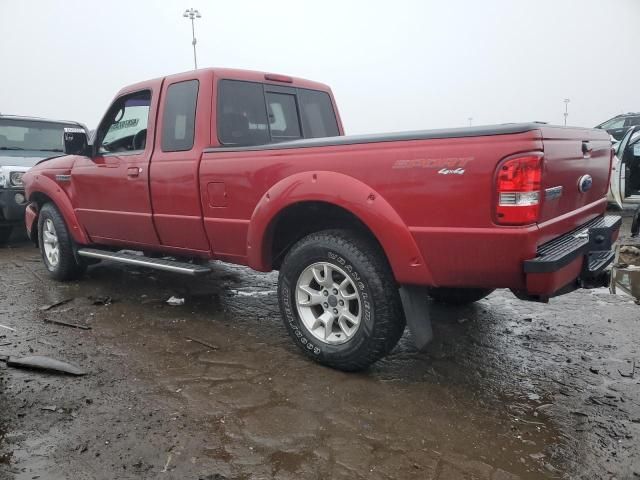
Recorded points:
(445, 166)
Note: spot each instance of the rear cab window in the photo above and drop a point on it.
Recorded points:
(282, 110)
(252, 113)
(318, 117)
(242, 114)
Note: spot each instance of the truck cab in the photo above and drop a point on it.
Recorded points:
(133, 159)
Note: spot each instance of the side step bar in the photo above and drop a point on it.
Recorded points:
(142, 261)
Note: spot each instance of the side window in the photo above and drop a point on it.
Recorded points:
(179, 117)
(318, 117)
(283, 116)
(242, 116)
(125, 126)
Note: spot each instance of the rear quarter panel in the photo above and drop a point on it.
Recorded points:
(445, 213)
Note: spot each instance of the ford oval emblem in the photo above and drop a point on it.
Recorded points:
(585, 183)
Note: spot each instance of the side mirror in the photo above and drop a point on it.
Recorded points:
(75, 141)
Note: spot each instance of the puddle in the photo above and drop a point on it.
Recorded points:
(252, 293)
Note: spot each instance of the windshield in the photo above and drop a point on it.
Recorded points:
(18, 134)
(613, 124)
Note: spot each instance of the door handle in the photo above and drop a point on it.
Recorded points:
(133, 172)
(586, 147)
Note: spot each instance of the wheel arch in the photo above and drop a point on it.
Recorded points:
(46, 190)
(37, 201)
(345, 202)
(300, 219)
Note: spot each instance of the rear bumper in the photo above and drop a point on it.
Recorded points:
(576, 259)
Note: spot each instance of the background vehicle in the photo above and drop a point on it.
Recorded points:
(616, 193)
(253, 168)
(625, 179)
(618, 125)
(24, 141)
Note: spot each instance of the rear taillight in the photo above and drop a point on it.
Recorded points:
(518, 189)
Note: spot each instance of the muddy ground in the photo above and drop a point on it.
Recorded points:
(507, 390)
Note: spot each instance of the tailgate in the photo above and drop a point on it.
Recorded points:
(576, 169)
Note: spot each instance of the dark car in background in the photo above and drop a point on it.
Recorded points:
(24, 141)
(618, 125)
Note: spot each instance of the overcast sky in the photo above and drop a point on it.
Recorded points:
(392, 65)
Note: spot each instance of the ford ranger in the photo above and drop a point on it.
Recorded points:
(23, 142)
(254, 169)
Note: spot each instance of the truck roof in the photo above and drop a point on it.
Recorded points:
(235, 74)
(257, 76)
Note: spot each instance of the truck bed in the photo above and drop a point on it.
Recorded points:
(441, 133)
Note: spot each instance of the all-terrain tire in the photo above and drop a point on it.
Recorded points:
(66, 267)
(360, 259)
(5, 234)
(458, 296)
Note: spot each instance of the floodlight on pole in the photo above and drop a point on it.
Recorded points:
(566, 110)
(192, 14)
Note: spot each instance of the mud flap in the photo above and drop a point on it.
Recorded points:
(416, 312)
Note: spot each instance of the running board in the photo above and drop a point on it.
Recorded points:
(142, 261)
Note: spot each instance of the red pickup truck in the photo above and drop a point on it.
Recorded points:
(253, 169)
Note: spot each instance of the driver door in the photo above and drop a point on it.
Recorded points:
(111, 189)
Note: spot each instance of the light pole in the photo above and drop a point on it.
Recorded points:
(566, 110)
(193, 14)
(470, 120)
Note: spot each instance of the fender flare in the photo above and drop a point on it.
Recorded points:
(346, 192)
(44, 185)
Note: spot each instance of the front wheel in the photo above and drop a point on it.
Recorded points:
(339, 300)
(56, 245)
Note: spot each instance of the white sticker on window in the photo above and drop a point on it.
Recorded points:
(181, 127)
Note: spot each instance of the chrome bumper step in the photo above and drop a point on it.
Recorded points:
(142, 261)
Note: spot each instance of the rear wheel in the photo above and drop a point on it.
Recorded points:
(56, 245)
(458, 296)
(339, 300)
(5, 233)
